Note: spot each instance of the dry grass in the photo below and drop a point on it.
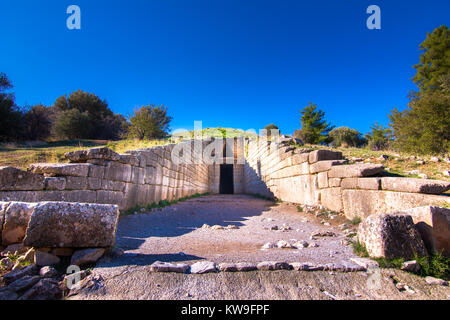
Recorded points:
(21, 155)
(24, 154)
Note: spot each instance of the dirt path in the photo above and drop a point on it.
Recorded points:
(175, 234)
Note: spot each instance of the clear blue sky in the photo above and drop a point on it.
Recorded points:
(229, 63)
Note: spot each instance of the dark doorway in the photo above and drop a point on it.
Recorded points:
(226, 185)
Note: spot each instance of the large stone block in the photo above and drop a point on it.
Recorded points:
(391, 236)
(94, 153)
(96, 171)
(129, 159)
(60, 169)
(16, 218)
(321, 155)
(361, 183)
(55, 183)
(433, 224)
(111, 197)
(76, 183)
(325, 165)
(361, 203)
(355, 170)
(415, 185)
(113, 185)
(12, 179)
(72, 225)
(118, 172)
(331, 199)
(323, 180)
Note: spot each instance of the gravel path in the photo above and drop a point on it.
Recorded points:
(162, 235)
(175, 233)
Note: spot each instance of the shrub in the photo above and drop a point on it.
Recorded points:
(346, 137)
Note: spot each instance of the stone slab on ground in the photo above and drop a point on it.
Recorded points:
(203, 267)
(391, 236)
(52, 225)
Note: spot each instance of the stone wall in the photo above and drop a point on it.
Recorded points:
(323, 177)
(275, 170)
(102, 176)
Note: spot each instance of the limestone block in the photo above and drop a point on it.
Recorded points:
(113, 185)
(391, 236)
(433, 224)
(321, 155)
(110, 197)
(94, 183)
(55, 183)
(94, 153)
(361, 183)
(322, 179)
(76, 183)
(72, 225)
(60, 169)
(131, 195)
(150, 175)
(138, 175)
(331, 199)
(334, 182)
(12, 179)
(361, 203)
(355, 170)
(118, 172)
(299, 158)
(129, 159)
(16, 218)
(321, 166)
(96, 171)
(415, 185)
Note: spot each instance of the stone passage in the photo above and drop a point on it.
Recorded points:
(271, 169)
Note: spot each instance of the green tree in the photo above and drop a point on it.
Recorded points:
(346, 137)
(73, 124)
(379, 138)
(104, 124)
(149, 122)
(424, 126)
(10, 114)
(37, 122)
(434, 60)
(314, 128)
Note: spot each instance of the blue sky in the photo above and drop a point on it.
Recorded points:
(229, 63)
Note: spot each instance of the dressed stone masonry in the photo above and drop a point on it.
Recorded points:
(58, 224)
(271, 169)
